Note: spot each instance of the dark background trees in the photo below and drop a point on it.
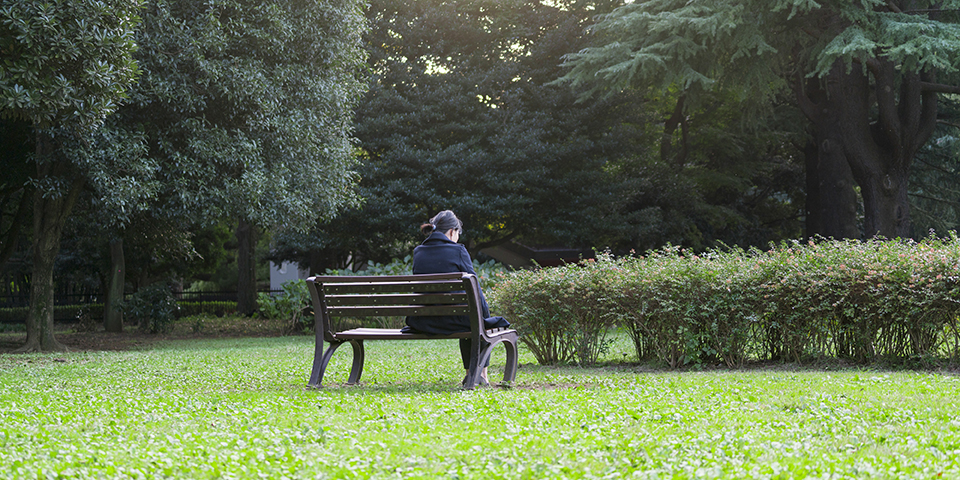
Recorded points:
(459, 116)
(463, 112)
(863, 74)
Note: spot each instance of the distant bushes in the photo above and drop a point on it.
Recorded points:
(866, 301)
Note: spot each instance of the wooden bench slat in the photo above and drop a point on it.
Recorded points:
(397, 299)
(392, 287)
(392, 334)
(398, 311)
(433, 277)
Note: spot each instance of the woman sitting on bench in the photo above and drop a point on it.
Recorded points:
(440, 253)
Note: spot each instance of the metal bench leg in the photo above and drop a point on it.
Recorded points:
(510, 369)
(320, 363)
(357, 369)
(473, 373)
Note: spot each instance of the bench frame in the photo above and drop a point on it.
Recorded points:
(402, 295)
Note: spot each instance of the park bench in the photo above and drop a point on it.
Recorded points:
(402, 295)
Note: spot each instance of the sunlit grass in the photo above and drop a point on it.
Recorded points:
(239, 408)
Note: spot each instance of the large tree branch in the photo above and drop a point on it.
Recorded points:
(806, 104)
(669, 127)
(939, 87)
(928, 110)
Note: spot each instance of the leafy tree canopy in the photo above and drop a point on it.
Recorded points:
(460, 116)
(247, 106)
(64, 61)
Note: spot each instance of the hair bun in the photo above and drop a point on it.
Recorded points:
(427, 228)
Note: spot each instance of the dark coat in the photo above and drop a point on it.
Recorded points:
(439, 254)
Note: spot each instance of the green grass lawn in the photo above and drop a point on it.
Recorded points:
(239, 408)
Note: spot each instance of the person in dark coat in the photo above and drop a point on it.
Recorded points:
(440, 253)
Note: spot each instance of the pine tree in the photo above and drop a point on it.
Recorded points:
(864, 73)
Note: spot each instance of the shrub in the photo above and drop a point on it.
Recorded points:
(219, 309)
(562, 314)
(153, 308)
(866, 301)
(293, 305)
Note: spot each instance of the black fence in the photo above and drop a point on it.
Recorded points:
(13, 307)
(23, 299)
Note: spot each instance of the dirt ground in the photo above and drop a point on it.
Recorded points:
(92, 337)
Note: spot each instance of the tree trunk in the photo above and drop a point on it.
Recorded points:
(835, 187)
(812, 226)
(881, 147)
(880, 127)
(831, 198)
(247, 278)
(49, 216)
(112, 316)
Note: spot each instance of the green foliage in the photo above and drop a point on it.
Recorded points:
(248, 108)
(866, 301)
(562, 313)
(153, 307)
(237, 408)
(292, 305)
(65, 62)
(754, 47)
(187, 309)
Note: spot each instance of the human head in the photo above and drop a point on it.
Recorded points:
(442, 222)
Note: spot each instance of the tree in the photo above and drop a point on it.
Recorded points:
(247, 106)
(65, 64)
(702, 178)
(863, 72)
(460, 115)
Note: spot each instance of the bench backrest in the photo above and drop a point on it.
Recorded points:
(395, 295)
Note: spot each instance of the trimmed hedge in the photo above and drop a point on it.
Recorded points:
(865, 301)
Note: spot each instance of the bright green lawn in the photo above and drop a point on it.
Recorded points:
(238, 408)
